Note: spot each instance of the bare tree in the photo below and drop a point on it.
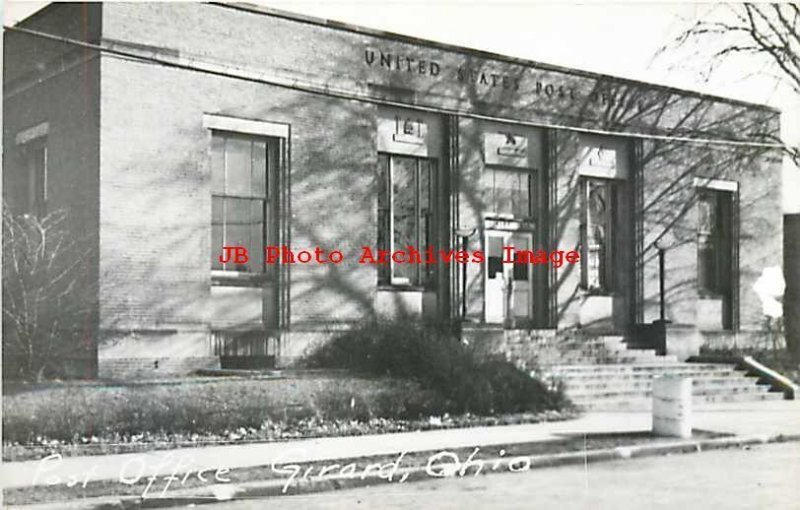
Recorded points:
(47, 303)
(768, 31)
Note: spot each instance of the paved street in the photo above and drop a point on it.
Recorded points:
(766, 476)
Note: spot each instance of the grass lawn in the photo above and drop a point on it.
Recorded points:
(85, 418)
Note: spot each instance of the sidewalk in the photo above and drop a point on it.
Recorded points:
(767, 418)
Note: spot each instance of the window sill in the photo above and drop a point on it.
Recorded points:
(400, 288)
(594, 292)
(507, 217)
(237, 279)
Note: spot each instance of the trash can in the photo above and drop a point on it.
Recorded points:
(672, 406)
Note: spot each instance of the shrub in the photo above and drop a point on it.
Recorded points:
(433, 356)
(48, 300)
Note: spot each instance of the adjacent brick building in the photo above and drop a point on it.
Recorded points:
(174, 129)
(791, 301)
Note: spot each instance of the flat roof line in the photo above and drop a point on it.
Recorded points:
(340, 25)
(198, 66)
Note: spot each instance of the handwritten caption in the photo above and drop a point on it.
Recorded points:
(175, 471)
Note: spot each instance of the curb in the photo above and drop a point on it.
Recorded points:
(275, 488)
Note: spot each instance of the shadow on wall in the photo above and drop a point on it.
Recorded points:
(157, 277)
(334, 182)
(669, 195)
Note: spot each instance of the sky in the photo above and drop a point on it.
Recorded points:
(619, 38)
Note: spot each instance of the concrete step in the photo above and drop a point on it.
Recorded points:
(740, 397)
(604, 371)
(711, 395)
(628, 385)
(626, 358)
(591, 350)
(637, 368)
(575, 347)
(613, 393)
(698, 385)
(598, 355)
(618, 404)
(633, 375)
(606, 342)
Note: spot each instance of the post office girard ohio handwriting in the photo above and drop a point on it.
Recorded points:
(176, 471)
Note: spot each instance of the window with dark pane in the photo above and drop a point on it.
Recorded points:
(426, 194)
(35, 164)
(405, 214)
(714, 234)
(706, 246)
(384, 215)
(520, 268)
(494, 253)
(599, 205)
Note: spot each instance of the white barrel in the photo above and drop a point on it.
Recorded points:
(672, 406)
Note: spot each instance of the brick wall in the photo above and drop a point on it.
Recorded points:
(791, 268)
(333, 149)
(156, 206)
(336, 59)
(151, 170)
(154, 367)
(671, 213)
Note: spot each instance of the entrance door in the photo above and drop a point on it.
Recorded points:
(508, 295)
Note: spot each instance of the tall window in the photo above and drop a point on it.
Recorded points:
(598, 197)
(405, 215)
(34, 154)
(714, 242)
(240, 175)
